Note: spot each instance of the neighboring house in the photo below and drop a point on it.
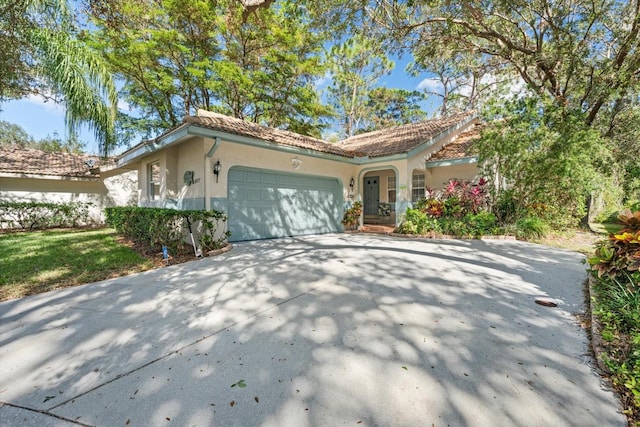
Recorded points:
(274, 183)
(28, 174)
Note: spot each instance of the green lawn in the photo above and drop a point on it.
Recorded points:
(39, 261)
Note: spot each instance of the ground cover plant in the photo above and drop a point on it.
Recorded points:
(615, 266)
(40, 261)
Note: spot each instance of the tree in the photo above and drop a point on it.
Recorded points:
(12, 134)
(459, 80)
(356, 65)
(550, 158)
(577, 60)
(246, 60)
(55, 143)
(42, 55)
(582, 55)
(392, 107)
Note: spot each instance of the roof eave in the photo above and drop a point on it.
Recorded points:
(451, 162)
(196, 130)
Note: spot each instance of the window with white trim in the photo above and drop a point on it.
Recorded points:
(417, 187)
(391, 191)
(153, 176)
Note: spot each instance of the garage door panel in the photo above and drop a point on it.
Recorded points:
(267, 204)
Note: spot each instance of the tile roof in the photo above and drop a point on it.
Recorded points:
(243, 128)
(395, 140)
(22, 160)
(460, 147)
(402, 139)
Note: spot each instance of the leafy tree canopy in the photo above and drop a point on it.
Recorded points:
(13, 134)
(40, 54)
(176, 56)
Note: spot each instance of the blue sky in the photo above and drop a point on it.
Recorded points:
(41, 119)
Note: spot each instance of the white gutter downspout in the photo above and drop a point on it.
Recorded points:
(209, 155)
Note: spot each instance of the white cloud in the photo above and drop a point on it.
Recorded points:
(323, 81)
(430, 85)
(49, 105)
(124, 106)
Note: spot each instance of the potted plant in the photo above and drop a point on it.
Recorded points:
(351, 218)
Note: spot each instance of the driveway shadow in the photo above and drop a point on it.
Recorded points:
(318, 330)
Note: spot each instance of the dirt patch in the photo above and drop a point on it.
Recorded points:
(575, 240)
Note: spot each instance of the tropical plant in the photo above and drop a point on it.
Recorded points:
(620, 254)
(351, 218)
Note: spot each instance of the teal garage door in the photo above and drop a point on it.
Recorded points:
(264, 204)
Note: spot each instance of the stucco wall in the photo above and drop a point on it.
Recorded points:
(437, 178)
(231, 154)
(116, 190)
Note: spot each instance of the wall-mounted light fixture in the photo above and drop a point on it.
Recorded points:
(352, 183)
(296, 162)
(216, 169)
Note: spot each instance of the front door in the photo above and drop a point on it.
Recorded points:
(371, 195)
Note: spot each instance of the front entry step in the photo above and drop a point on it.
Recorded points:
(371, 219)
(377, 229)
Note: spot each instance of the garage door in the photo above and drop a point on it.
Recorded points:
(264, 204)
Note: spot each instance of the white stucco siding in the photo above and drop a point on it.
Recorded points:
(438, 177)
(116, 190)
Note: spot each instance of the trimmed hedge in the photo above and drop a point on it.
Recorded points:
(38, 215)
(153, 228)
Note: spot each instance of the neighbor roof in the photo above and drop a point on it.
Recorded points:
(15, 159)
(404, 138)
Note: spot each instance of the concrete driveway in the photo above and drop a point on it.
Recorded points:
(326, 330)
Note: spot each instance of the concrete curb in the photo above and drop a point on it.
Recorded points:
(596, 338)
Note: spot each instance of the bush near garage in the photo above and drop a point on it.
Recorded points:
(153, 228)
(41, 215)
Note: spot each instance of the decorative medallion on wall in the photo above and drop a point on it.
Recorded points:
(296, 162)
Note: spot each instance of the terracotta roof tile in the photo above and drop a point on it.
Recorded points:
(240, 127)
(395, 140)
(22, 160)
(401, 139)
(460, 147)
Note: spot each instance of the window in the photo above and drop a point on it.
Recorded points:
(154, 181)
(391, 191)
(417, 187)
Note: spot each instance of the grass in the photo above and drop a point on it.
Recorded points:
(40, 261)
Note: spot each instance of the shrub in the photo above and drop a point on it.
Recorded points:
(38, 215)
(531, 227)
(459, 209)
(152, 228)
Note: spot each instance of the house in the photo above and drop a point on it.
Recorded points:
(28, 174)
(275, 183)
